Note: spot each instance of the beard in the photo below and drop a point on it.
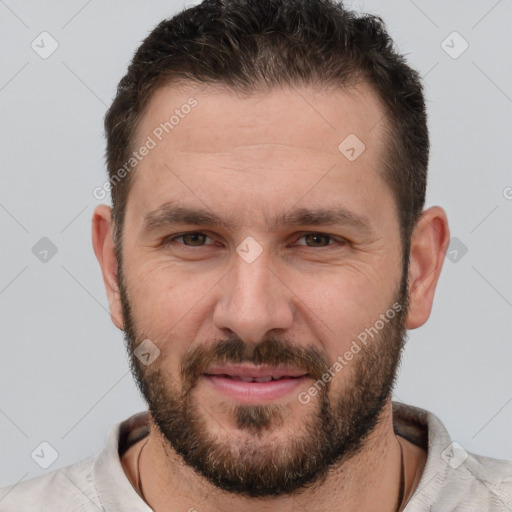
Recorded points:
(253, 461)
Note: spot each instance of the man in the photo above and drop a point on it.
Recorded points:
(266, 252)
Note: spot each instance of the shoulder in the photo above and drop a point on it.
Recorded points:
(94, 484)
(476, 484)
(70, 488)
(490, 481)
(453, 479)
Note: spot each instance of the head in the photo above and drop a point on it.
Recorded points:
(251, 46)
(267, 124)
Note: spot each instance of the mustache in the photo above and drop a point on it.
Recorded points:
(271, 352)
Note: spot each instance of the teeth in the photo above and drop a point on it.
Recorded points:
(257, 379)
(254, 379)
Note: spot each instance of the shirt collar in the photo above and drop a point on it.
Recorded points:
(417, 425)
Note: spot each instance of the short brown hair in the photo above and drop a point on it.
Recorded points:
(252, 45)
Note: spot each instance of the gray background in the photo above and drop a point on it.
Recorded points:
(64, 376)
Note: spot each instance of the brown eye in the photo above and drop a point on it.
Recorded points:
(317, 240)
(193, 239)
(320, 240)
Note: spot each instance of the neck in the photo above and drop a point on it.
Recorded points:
(369, 480)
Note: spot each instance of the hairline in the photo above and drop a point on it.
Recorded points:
(355, 81)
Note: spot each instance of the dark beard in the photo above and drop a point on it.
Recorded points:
(334, 431)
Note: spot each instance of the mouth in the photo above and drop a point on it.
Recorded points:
(267, 378)
(253, 384)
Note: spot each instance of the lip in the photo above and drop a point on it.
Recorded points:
(228, 381)
(251, 371)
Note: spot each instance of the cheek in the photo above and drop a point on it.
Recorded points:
(339, 307)
(167, 305)
(153, 298)
(346, 296)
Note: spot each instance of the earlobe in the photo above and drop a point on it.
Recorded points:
(103, 244)
(429, 243)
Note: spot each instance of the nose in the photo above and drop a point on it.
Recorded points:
(254, 301)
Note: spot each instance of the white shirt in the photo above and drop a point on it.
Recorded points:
(452, 480)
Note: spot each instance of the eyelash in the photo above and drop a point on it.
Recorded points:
(171, 239)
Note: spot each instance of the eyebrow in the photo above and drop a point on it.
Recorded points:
(172, 213)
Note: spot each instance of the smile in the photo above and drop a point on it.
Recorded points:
(254, 384)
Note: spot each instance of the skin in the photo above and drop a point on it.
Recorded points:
(242, 157)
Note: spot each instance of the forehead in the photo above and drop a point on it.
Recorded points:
(269, 146)
(310, 117)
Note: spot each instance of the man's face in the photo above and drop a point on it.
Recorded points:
(272, 291)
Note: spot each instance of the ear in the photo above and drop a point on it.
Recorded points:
(103, 243)
(429, 244)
